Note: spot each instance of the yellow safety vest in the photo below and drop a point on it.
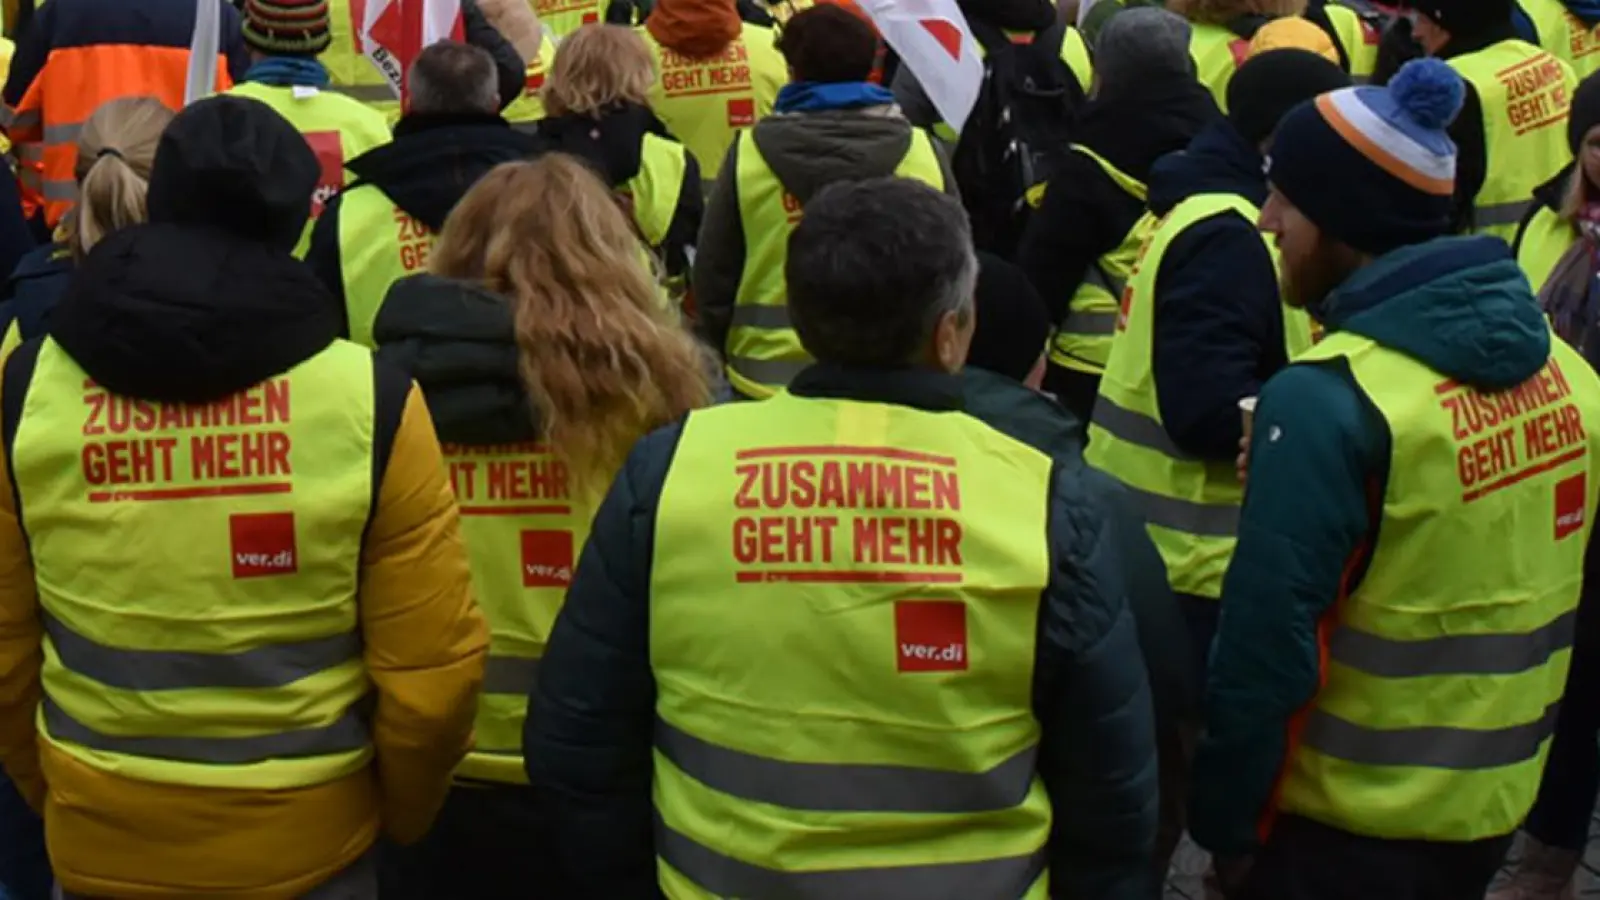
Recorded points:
(1358, 38)
(1541, 243)
(1083, 340)
(1217, 54)
(563, 17)
(351, 73)
(197, 567)
(337, 128)
(529, 108)
(524, 532)
(843, 623)
(1442, 682)
(1565, 36)
(763, 351)
(379, 244)
(706, 102)
(655, 191)
(1191, 506)
(783, 10)
(1526, 94)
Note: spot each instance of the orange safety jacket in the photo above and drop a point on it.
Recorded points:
(76, 57)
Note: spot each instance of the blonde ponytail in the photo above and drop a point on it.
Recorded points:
(115, 153)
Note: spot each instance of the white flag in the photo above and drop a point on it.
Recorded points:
(393, 32)
(203, 49)
(933, 40)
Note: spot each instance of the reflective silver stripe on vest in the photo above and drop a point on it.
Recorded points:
(1135, 428)
(510, 675)
(777, 372)
(847, 787)
(1429, 747)
(347, 734)
(1500, 213)
(366, 93)
(1470, 654)
(274, 665)
(1090, 323)
(66, 133)
(756, 315)
(1199, 519)
(725, 876)
(19, 121)
(61, 189)
(1102, 279)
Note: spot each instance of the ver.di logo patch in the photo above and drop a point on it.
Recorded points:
(546, 558)
(262, 544)
(1572, 500)
(930, 635)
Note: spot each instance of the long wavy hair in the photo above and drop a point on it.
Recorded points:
(1221, 12)
(599, 66)
(604, 357)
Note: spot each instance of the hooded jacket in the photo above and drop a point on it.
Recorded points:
(588, 737)
(807, 151)
(203, 302)
(1218, 318)
(1460, 306)
(431, 163)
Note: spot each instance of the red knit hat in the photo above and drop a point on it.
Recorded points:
(287, 27)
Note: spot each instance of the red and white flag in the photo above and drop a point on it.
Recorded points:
(933, 40)
(393, 33)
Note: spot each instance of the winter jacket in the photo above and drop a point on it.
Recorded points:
(35, 286)
(1218, 317)
(510, 68)
(807, 151)
(588, 740)
(1085, 214)
(432, 162)
(613, 146)
(1458, 305)
(458, 340)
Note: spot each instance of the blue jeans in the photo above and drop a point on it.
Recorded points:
(24, 866)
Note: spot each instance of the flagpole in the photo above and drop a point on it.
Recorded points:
(203, 49)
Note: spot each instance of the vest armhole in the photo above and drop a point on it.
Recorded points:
(390, 389)
(19, 369)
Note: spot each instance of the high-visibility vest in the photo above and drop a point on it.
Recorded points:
(337, 128)
(1358, 38)
(563, 17)
(1217, 53)
(351, 72)
(1441, 685)
(1191, 506)
(379, 244)
(524, 530)
(869, 577)
(1526, 94)
(655, 190)
(197, 568)
(1083, 340)
(706, 102)
(763, 351)
(1541, 243)
(529, 108)
(1565, 35)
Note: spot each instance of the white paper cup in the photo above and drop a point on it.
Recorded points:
(1247, 413)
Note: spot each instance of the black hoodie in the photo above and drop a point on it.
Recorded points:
(431, 163)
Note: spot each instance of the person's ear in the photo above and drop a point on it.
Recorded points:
(952, 338)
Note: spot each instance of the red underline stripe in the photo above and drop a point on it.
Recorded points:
(190, 493)
(515, 510)
(833, 576)
(1525, 474)
(875, 452)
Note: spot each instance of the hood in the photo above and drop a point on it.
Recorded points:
(458, 340)
(178, 313)
(1145, 121)
(1218, 161)
(434, 160)
(1459, 305)
(808, 151)
(695, 28)
(611, 144)
(1020, 412)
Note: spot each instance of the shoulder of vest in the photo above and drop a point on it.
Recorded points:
(15, 382)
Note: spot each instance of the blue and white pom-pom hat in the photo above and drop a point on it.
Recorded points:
(1373, 166)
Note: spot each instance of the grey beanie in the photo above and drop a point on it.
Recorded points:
(1139, 41)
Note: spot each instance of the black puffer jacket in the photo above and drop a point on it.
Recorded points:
(588, 739)
(458, 341)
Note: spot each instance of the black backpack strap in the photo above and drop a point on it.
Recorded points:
(19, 368)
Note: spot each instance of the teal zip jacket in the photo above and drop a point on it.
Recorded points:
(1319, 463)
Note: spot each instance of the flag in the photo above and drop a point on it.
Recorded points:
(203, 50)
(393, 33)
(933, 40)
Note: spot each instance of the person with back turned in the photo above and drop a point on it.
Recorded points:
(237, 633)
(850, 641)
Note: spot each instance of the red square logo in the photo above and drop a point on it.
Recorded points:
(589, 18)
(741, 112)
(930, 635)
(1240, 50)
(329, 149)
(533, 85)
(1572, 503)
(262, 544)
(546, 558)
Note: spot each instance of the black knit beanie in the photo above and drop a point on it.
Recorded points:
(1267, 86)
(1585, 113)
(1466, 19)
(1013, 323)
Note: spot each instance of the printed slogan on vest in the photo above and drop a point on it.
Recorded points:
(415, 240)
(522, 480)
(1536, 93)
(846, 515)
(1505, 438)
(725, 73)
(138, 450)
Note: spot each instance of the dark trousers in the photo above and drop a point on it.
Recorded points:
(487, 844)
(1305, 860)
(1560, 816)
